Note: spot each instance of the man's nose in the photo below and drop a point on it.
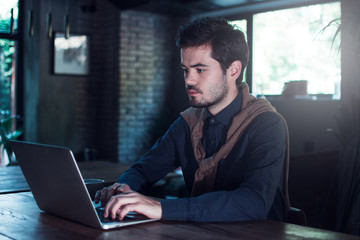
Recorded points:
(190, 78)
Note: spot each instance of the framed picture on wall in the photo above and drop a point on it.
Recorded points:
(71, 55)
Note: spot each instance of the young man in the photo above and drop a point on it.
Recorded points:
(232, 147)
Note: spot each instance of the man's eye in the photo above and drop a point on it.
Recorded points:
(200, 70)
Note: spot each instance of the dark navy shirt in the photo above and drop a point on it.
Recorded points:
(249, 181)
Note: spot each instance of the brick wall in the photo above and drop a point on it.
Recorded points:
(146, 70)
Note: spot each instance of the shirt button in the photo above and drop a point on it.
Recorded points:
(212, 121)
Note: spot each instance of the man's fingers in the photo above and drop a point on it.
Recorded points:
(115, 189)
(103, 197)
(106, 193)
(131, 201)
(126, 209)
(118, 202)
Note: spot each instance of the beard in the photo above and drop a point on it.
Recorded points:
(216, 93)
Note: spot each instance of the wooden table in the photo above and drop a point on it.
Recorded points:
(21, 219)
(12, 179)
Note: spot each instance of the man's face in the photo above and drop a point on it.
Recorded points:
(205, 83)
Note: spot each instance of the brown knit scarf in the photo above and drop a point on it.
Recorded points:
(206, 173)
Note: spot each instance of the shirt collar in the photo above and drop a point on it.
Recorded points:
(226, 115)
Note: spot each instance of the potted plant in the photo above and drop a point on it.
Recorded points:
(8, 131)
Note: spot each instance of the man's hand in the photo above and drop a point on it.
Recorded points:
(106, 193)
(131, 201)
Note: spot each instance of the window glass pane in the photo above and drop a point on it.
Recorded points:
(289, 45)
(7, 75)
(9, 13)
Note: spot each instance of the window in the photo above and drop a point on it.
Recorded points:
(8, 46)
(292, 45)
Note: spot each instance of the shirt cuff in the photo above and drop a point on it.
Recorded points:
(175, 209)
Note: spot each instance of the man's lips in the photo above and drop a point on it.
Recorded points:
(192, 90)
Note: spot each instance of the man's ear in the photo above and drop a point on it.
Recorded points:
(235, 69)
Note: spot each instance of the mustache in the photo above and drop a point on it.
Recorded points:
(193, 88)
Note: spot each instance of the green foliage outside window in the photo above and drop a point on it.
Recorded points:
(7, 51)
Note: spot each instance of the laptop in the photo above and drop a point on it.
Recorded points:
(58, 187)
